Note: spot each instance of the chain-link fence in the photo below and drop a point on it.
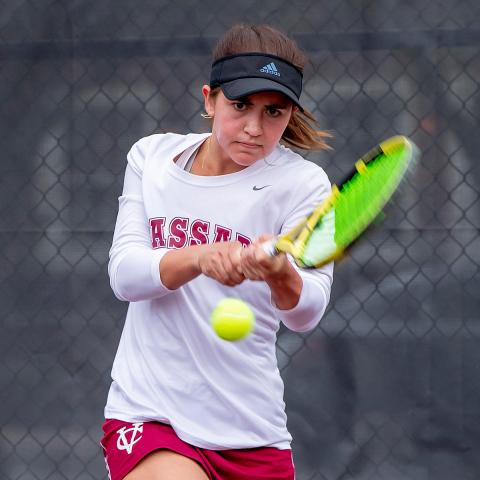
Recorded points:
(388, 386)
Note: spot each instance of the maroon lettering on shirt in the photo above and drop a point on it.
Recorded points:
(222, 234)
(243, 239)
(178, 232)
(182, 232)
(156, 229)
(199, 232)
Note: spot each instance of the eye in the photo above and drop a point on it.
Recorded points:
(273, 112)
(239, 106)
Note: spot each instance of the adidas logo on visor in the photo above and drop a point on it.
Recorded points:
(271, 69)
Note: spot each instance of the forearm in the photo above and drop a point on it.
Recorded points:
(177, 267)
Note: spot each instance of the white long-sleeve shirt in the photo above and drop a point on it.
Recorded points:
(170, 365)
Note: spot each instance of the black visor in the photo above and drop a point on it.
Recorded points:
(249, 73)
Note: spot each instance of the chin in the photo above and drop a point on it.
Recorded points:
(245, 161)
(247, 158)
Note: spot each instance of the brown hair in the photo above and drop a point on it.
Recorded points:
(301, 131)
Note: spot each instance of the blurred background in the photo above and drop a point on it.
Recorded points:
(388, 385)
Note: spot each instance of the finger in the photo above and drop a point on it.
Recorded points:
(250, 267)
(258, 257)
(228, 271)
(252, 274)
(235, 257)
(233, 274)
(259, 265)
(215, 268)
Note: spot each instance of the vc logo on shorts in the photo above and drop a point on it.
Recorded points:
(128, 437)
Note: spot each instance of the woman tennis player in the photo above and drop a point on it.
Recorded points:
(185, 404)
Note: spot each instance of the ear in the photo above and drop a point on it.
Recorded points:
(208, 101)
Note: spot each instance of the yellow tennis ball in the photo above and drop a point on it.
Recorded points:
(232, 319)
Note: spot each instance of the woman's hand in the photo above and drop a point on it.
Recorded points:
(256, 264)
(221, 261)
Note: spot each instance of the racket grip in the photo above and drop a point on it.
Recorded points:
(269, 247)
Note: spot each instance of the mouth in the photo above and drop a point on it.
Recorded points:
(249, 145)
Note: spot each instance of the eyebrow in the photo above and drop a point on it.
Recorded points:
(247, 101)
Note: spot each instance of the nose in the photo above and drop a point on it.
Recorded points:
(253, 125)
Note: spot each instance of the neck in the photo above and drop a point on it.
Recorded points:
(211, 160)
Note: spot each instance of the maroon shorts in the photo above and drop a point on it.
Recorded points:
(125, 444)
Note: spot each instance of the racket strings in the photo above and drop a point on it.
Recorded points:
(359, 201)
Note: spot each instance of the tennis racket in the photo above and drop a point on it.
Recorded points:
(350, 208)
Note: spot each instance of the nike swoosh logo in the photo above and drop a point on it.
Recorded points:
(260, 188)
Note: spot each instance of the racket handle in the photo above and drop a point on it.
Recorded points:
(269, 247)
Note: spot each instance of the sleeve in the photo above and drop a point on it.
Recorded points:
(317, 283)
(133, 266)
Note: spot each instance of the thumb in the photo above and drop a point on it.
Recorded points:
(264, 238)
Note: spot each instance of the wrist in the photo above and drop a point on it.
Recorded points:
(196, 258)
(286, 288)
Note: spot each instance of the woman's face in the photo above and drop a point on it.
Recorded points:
(248, 129)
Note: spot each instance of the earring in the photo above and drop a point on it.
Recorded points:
(206, 115)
